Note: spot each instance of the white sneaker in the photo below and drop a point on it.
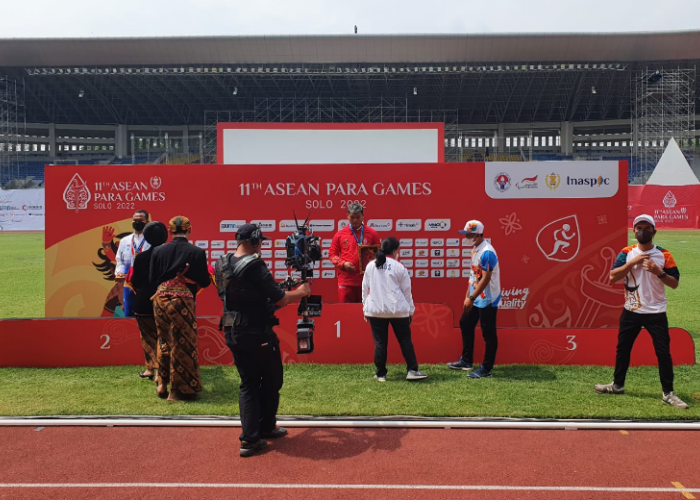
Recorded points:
(675, 401)
(610, 388)
(380, 379)
(415, 375)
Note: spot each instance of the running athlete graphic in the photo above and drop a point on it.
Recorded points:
(562, 244)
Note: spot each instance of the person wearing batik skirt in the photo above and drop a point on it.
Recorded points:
(155, 234)
(178, 270)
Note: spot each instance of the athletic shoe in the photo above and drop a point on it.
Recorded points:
(415, 375)
(380, 379)
(460, 365)
(675, 401)
(480, 372)
(250, 449)
(610, 388)
(277, 432)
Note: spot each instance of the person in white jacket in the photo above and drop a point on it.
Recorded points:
(386, 299)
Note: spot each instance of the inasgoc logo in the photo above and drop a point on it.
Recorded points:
(588, 181)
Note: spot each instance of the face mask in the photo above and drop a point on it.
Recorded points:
(138, 226)
(643, 237)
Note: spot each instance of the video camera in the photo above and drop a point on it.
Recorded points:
(303, 250)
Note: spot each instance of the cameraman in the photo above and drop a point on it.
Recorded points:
(251, 297)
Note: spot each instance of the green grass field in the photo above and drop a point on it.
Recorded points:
(22, 275)
(514, 391)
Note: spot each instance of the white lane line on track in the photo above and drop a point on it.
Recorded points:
(607, 489)
(417, 424)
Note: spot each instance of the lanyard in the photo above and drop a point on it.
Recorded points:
(362, 235)
(134, 248)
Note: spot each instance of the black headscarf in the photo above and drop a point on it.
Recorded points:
(156, 233)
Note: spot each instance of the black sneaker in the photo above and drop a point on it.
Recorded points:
(250, 449)
(460, 365)
(480, 372)
(277, 432)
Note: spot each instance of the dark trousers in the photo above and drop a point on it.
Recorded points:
(657, 325)
(259, 363)
(402, 330)
(487, 317)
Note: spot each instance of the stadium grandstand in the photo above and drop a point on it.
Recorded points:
(531, 97)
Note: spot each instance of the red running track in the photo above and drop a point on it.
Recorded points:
(396, 458)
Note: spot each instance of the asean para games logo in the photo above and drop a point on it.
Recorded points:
(669, 200)
(76, 195)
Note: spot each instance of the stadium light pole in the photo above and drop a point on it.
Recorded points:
(655, 78)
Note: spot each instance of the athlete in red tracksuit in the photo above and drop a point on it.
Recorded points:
(344, 253)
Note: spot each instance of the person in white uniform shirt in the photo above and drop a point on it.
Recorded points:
(129, 247)
(481, 303)
(387, 300)
(647, 270)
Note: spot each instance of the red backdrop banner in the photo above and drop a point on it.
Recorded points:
(556, 231)
(673, 207)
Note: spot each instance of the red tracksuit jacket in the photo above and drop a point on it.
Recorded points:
(344, 249)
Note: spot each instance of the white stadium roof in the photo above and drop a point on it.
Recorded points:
(324, 49)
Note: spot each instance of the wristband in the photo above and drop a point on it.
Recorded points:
(472, 298)
(662, 275)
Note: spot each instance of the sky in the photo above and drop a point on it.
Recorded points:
(133, 18)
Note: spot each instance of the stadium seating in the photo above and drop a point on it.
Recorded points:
(551, 157)
(34, 168)
(504, 157)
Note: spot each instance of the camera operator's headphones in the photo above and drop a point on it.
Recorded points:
(256, 235)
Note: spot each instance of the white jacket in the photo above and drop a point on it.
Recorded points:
(386, 291)
(128, 248)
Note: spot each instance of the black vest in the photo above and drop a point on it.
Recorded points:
(240, 295)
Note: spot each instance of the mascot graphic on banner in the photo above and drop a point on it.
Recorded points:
(560, 240)
(107, 256)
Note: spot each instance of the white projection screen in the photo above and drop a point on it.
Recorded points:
(308, 143)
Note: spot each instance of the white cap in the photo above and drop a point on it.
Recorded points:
(644, 218)
(473, 227)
